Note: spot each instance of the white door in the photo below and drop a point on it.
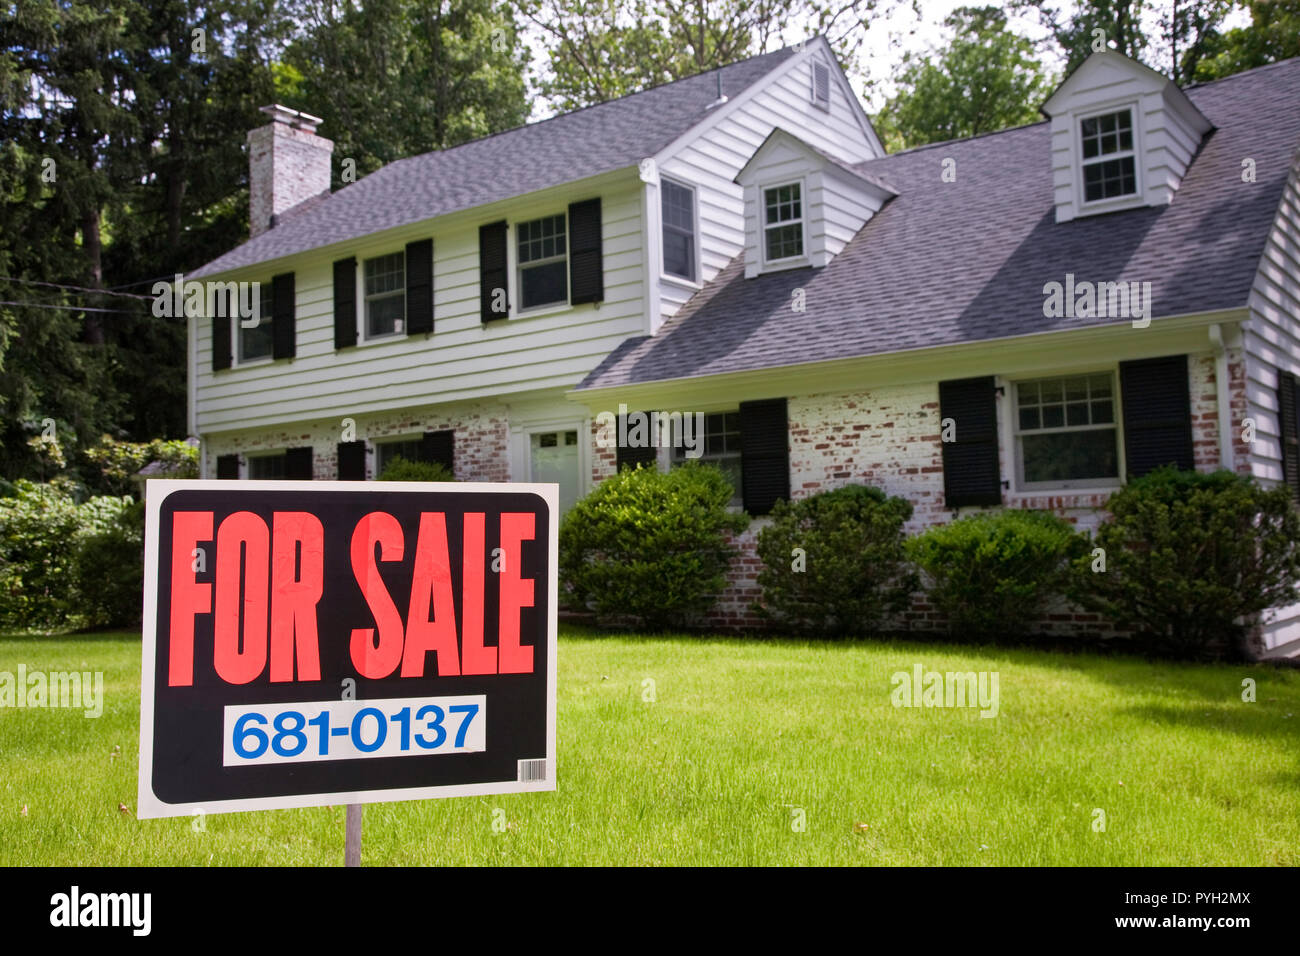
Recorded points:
(555, 458)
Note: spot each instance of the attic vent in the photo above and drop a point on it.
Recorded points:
(821, 85)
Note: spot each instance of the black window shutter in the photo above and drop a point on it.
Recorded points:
(345, 303)
(970, 462)
(220, 342)
(492, 270)
(1157, 414)
(419, 287)
(298, 464)
(586, 258)
(352, 460)
(282, 316)
(631, 457)
(440, 447)
(227, 466)
(1288, 419)
(764, 454)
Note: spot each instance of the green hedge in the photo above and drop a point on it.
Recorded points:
(650, 547)
(834, 563)
(1189, 558)
(993, 574)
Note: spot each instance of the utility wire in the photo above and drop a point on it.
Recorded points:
(75, 288)
(69, 308)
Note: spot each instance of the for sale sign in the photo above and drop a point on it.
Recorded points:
(320, 642)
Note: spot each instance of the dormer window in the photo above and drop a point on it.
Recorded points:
(1108, 159)
(783, 222)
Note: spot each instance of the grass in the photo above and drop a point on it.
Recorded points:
(740, 737)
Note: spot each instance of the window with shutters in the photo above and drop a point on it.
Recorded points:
(542, 262)
(267, 466)
(1067, 432)
(255, 342)
(385, 452)
(783, 218)
(385, 295)
(1108, 159)
(720, 447)
(678, 209)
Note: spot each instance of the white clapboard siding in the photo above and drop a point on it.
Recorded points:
(1272, 344)
(710, 159)
(462, 359)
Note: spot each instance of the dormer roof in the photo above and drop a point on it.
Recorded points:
(1107, 69)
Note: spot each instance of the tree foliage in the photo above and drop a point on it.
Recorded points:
(985, 78)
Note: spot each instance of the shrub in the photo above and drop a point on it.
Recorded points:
(992, 574)
(400, 469)
(1189, 555)
(650, 546)
(63, 563)
(119, 461)
(38, 543)
(109, 563)
(853, 573)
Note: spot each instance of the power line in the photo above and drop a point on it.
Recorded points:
(75, 288)
(69, 308)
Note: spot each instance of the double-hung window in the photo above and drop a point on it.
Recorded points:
(267, 466)
(543, 254)
(385, 291)
(720, 445)
(1108, 160)
(783, 222)
(255, 342)
(678, 205)
(1067, 434)
(387, 452)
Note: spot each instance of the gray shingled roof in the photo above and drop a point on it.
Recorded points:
(945, 263)
(565, 148)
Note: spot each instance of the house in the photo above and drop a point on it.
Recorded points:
(1024, 318)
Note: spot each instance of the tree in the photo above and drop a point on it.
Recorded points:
(986, 78)
(1095, 25)
(395, 78)
(1273, 35)
(600, 50)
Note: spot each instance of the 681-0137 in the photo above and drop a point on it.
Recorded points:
(351, 729)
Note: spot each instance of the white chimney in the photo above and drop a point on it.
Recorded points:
(287, 165)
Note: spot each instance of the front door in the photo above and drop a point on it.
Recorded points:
(555, 458)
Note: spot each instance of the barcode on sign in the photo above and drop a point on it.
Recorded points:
(531, 770)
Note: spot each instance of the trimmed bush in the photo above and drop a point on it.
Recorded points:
(834, 563)
(648, 546)
(38, 546)
(109, 563)
(400, 469)
(1190, 557)
(992, 574)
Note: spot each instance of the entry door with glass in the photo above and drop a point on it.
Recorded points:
(555, 458)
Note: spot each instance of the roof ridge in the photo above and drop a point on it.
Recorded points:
(1233, 76)
(949, 142)
(589, 106)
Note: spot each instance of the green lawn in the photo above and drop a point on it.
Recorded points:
(742, 735)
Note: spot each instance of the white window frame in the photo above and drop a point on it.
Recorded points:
(376, 444)
(363, 301)
(695, 236)
(237, 330)
(247, 458)
(815, 64)
(1128, 199)
(677, 455)
(802, 222)
(1011, 446)
(517, 268)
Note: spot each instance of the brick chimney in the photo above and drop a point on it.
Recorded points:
(287, 165)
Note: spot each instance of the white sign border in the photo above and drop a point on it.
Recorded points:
(149, 806)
